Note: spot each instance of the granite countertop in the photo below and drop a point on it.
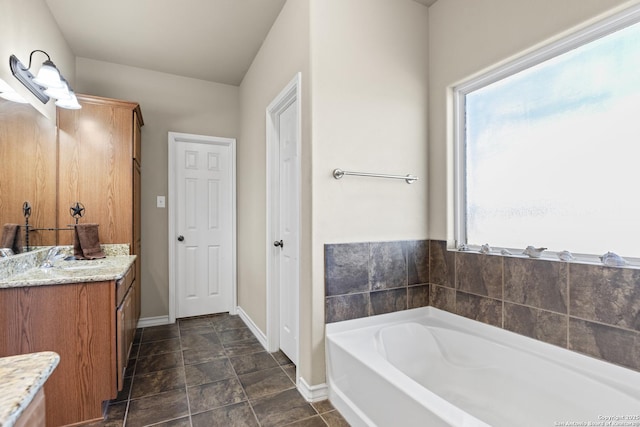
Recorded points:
(22, 377)
(98, 270)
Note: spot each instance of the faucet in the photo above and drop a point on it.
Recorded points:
(52, 255)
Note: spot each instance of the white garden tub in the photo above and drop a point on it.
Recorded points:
(426, 367)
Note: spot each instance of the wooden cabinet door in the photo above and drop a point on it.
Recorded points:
(77, 322)
(137, 136)
(137, 243)
(125, 333)
(95, 167)
(120, 345)
(130, 310)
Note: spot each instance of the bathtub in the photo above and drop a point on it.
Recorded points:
(427, 367)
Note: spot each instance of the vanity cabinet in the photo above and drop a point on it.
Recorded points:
(91, 326)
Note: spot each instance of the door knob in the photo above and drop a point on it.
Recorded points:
(278, 243)
(180, 238)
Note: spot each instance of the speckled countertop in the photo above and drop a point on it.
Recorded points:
(23, 270)
(99, 270)
(22, 376)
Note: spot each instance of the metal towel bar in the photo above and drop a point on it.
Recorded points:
(339, 173)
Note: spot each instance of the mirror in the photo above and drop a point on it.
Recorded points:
(29, 170)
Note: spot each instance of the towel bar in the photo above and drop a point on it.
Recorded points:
(339, 173)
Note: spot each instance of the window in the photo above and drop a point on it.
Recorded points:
(548, 147)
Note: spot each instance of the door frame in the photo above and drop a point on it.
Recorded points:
(290, 93)
(176, 138)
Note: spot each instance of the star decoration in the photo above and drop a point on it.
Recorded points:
(77, 211)
(26, 209)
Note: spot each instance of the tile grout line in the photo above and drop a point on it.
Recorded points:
(239, 382)
(133, 375)
(184, 370)
(244, 391)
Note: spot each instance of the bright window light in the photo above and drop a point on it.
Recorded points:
(550, 155)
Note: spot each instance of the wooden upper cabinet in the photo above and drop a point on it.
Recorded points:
(98, 147)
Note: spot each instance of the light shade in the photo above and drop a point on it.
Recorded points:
(70, 102)
(49, 76)
(58, 93)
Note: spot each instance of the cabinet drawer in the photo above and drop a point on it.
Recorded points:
(122, 285)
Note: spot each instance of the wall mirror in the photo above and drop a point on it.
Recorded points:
(28, 171)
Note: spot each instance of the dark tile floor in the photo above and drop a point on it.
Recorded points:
(211, 371)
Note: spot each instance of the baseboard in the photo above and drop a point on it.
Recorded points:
(262, 338)
(312, 393)
(153, 321)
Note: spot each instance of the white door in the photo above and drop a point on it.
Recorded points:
(203, 228)
(288, 227)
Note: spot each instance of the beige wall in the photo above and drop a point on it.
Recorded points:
(284, 53)
(364, 108)
(369, 114)
(468, 36)
(27, 25)
(168, 103)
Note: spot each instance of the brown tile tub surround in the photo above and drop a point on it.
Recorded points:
(364, 279)
(588, 308)
(592, 309)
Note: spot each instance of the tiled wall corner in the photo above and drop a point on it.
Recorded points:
(587, 308)
(441, 264)
(365, 279)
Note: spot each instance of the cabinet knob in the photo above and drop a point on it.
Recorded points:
(278, 243)
(181, 238)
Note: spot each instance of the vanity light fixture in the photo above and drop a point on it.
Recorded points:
(48, 84)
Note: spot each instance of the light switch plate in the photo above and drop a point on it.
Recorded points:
(160, 202)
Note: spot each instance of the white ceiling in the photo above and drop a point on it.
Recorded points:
(213, 40)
